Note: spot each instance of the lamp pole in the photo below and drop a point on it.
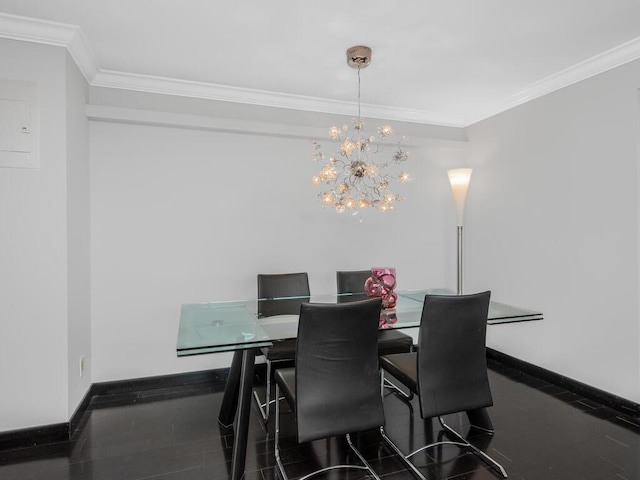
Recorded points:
(459, 259)
(459, 179)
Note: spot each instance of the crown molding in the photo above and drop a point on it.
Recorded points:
(615, 57)
(210, 91)
(71, 37)
(25, 29)
(34, 30)
(81, 53)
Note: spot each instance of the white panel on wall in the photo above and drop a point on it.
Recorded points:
(18, 124)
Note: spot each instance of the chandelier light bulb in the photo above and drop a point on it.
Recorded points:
(386, 130)
(385, 207)
(334, 132)
(363, 204)
(350, 203)
(347, 147)
(327, 198)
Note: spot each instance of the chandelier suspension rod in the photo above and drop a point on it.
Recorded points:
(359, 114)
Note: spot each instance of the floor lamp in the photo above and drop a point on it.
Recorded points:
(459, 179)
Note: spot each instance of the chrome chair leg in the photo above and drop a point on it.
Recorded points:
(398, 391)
(364, 462)
(263, 407)
(487, 459)
(365, 465)
(386, 383)
(461, 442)
(394, 448)
(260, 405)
(277, 436)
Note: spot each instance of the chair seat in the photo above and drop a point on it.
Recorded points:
(403, 366)
(390, 341)
(393, 341)
(280, 350)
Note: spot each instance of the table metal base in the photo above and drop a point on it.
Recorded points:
(236, 404)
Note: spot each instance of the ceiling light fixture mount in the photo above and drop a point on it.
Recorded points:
(356, 177)
(359, 57)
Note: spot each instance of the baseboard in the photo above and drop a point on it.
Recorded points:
(60, 432)
(587, 391)
(96, 394)
(74, 421)
(57, 432)
(30, 437)
(118, 387)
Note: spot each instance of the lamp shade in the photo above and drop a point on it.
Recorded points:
(459, 179)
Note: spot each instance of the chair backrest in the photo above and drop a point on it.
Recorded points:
(282, 285)
(337, 371)
(452, 362)
(352, 281)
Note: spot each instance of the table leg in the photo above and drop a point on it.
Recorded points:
(239, 453)
(480, 418)
(230, 399)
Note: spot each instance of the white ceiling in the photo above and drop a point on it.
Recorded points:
(446, 62)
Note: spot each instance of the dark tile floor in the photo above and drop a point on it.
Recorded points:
(542, 433)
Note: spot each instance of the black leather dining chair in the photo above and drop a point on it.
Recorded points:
(449, 370)
(389, 340)
(334, 388)
(278, 286)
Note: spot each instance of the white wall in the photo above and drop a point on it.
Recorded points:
(187, 215)
(78, 233)
(33, 254)
(552, 223)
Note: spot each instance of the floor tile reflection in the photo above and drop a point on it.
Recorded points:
(543, 432)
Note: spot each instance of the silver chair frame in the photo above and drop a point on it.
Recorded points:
(386, 383)
(365, 465)
(263, 407)
(460, 442)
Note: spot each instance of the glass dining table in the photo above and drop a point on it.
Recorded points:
(243, 327)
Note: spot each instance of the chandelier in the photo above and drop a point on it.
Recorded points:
(358, 175)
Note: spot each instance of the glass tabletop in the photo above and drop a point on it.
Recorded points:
(498, 312)
(219, 327)
(227, 326)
